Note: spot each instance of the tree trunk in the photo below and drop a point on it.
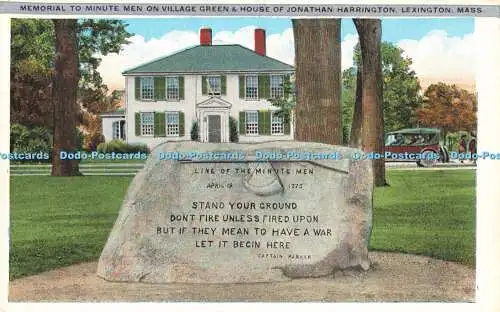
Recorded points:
(318, 80)
(357, 118)
(64, 96)
(372, 129)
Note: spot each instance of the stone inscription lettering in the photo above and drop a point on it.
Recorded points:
(215, 228)
(248, 171)
(244, 205)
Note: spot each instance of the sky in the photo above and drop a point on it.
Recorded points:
(441, 49)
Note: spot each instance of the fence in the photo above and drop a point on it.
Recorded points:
(104, 169)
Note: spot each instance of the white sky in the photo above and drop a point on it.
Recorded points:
(436, 56)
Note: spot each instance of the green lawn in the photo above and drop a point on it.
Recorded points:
(57, 222)
(431, 213)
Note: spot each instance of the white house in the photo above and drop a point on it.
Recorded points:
(207, 85)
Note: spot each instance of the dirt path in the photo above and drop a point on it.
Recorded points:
(395, 277)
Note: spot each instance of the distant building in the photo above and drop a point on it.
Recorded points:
(206, 84)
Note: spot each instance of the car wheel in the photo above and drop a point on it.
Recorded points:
(429, 159)
(445, 158)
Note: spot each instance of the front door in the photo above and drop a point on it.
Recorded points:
(214, 127)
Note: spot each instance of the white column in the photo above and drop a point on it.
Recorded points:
(226, 132)
(488, 171)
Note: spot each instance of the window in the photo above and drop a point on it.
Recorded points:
(119, 130)
(172, 88)
(172, 123)
(252, 122)
(276, 86)
(251, 87)
(147, 123)
(276, 124)
(214, 85)
(147, 88)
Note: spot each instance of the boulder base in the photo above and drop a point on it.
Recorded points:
(265, 212)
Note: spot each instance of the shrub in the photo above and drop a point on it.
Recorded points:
(452, 140)
(18, 134)
(346, 133)
(34, 140)
(80, 138)
(195, 131)
(233, 130)
(134, 148)
(92, 140)
(119, 146)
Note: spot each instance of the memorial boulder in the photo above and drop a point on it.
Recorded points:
(242, 213)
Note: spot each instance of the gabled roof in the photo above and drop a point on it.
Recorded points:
(118, 112)
(213, 58)
(214, 102)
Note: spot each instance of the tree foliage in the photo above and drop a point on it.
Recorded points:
(97, 38)
(286, 103)
(401, 88)
(32, 51)
(348, 100)
(449, 108)
(55, 78)
(32, 66)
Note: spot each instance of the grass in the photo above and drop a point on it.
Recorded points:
(56, 222)
(430, 213)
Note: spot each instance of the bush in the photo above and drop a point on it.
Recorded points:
(92, 140)
(80, 138)
(119, 146)
(134, 148)
(195, 131)
(35, 140)
(346, 133)
(233, 130)
(452, 140)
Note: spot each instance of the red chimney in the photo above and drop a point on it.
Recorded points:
(260, 41)
(205, 36)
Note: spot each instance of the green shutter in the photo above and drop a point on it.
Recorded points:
(286, 122)
(267, 122)
(223, 85)
(242, 86)
(137, 124)
(159, 88)
(264, 123)
(159, 121)
(264, 87)
(181, 124)
(204, 85)
(181, 88)
(137, 88)
(241, 122)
